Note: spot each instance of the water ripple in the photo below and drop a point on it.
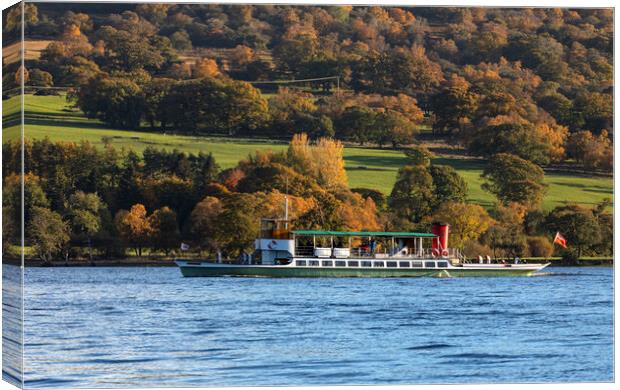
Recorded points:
(129, 327)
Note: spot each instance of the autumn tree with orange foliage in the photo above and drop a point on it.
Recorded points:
(359, 215)
(242, 55)
(322, 160)
(593, 152)
(205, 67)
(134, 227)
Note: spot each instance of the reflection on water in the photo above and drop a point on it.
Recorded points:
(12, 347)
(106, 327)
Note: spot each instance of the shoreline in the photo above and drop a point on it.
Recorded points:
(145, 262)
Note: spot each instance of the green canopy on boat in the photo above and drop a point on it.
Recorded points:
(362, 234)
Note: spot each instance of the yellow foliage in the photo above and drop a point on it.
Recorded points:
(21, 71)
(458, 82)
(72, 30)
(401, 16)
(555, 136)
(242, 55)
(323, 161)
(467, 221)
(405, 105)
(301, 30)
(300, 154)
(361, 216)
(133, 226)
(327, 155)
(272, 205)
(287, 102)
(205, 67)
(99, 47)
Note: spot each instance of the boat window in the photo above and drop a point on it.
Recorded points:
(404, 264)
(328, 263)
(442, 264)
(378, 264)
(300, 263)
(417, 264)
(429, 264)
(341, 263)
(354, 263)
(366, 263)
(391, 264)
(313, 263)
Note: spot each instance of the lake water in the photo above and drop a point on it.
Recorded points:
(106, 327)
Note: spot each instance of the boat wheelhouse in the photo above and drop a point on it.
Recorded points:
(281, 252)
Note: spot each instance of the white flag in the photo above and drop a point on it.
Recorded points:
(184, 246)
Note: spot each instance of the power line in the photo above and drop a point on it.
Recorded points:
(292, 81)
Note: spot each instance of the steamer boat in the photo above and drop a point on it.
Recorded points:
(280, 252)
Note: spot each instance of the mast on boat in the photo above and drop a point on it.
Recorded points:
(286, 206)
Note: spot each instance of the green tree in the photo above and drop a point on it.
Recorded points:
(412, 196)
(48, 233)
(505, 240)
(129, 51)
(393, 127)
(540, 247)
(115, 100)
(215, 105)
(84, 212)
(467, 221)
(33, 197)
(419, 155)
(516, 138)
(171, 191)
(356, 123)
(76, 70)
(559, 106)
(513, 179)
(506, 237)
(155, 92)
(454, 106)
(165, 234)
(202, 223)
(577, 224)
(296, 49)
(180, 40)
(13, 21)
(40, 78)
(237, 225)
(448, 186)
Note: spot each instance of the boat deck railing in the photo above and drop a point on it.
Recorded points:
(424, 253)
(372, 263)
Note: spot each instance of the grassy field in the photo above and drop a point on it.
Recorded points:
(32, 51)
(53, 117)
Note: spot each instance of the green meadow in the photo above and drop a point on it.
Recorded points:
(53, 117)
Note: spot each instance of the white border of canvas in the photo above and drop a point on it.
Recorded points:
(493, 3)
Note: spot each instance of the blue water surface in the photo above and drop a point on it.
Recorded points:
(113, 327)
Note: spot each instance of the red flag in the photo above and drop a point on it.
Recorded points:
(560, 240)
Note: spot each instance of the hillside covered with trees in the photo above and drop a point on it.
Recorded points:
(534, 82)
(523, 89)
